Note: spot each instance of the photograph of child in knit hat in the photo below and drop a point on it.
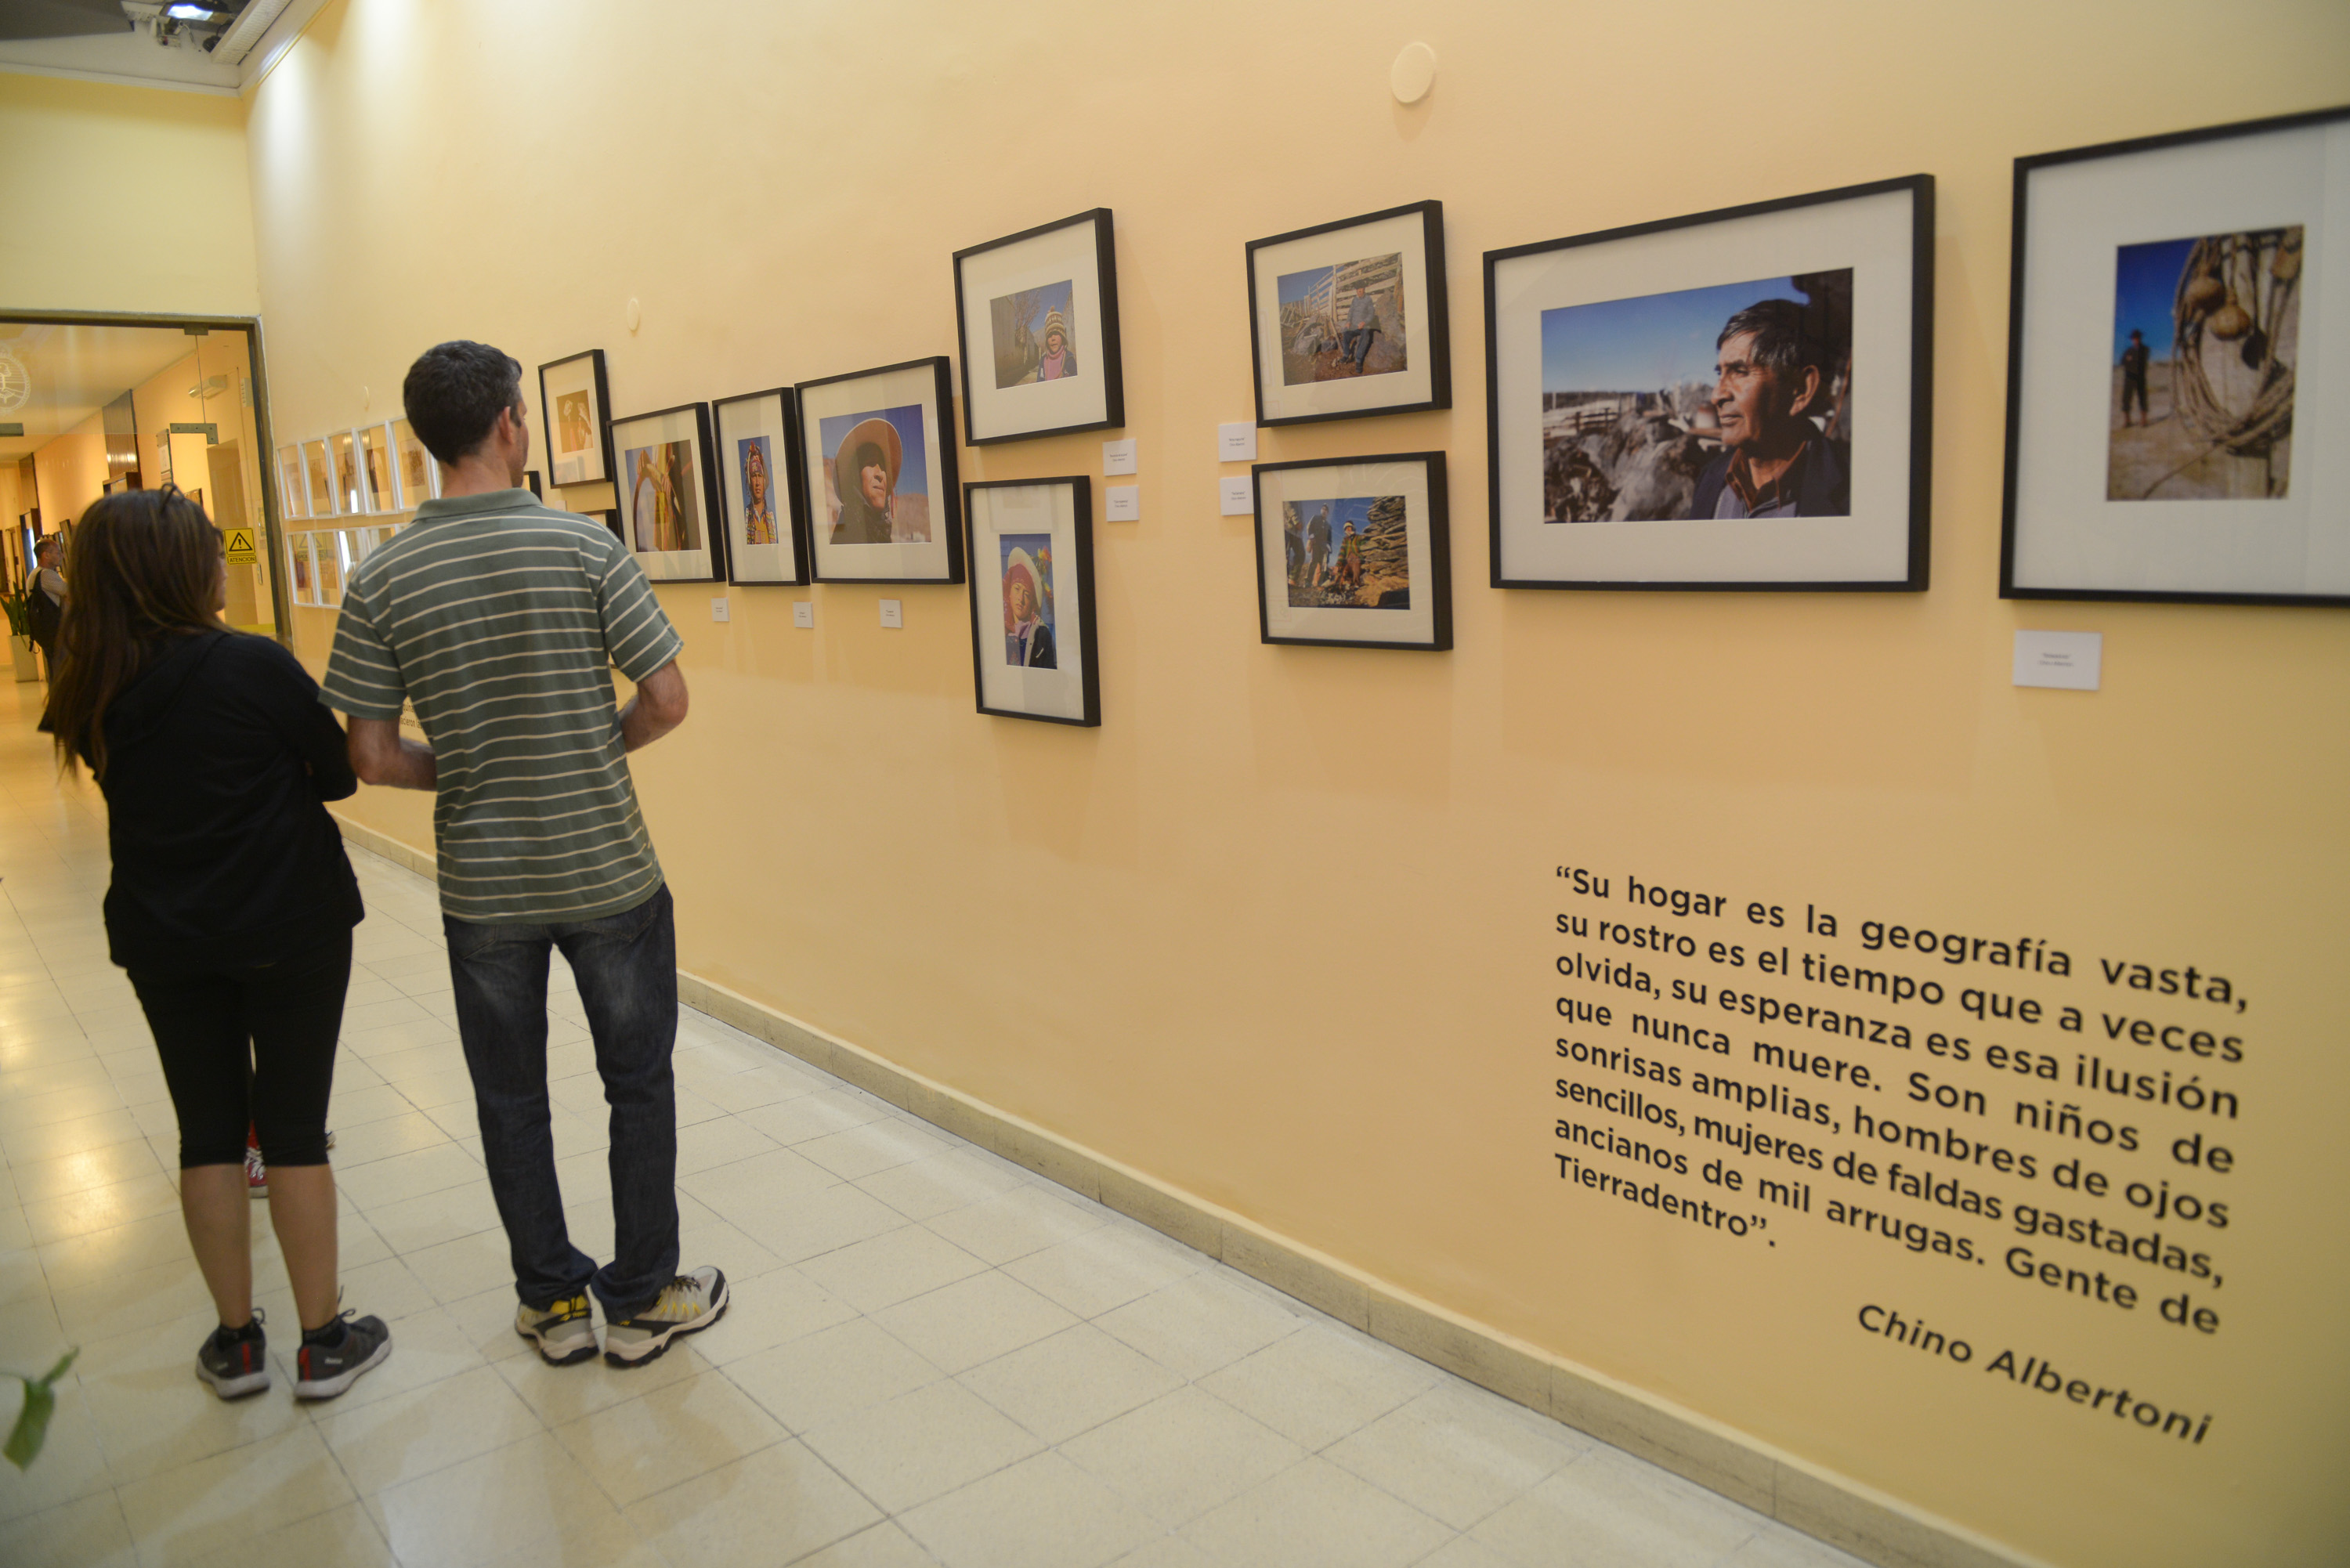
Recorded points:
(1035, 335)
(1028, 600)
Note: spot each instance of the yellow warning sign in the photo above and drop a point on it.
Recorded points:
(239, 545)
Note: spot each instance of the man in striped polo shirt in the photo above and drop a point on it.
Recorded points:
(498, 617)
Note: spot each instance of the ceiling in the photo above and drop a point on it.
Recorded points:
(137, 42)
(77, 370)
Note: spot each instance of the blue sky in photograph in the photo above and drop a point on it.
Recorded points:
(1344, 509)
(1648, 342)
(1051, 298)
(914, 473)
(2145, 287)
(1296, 285)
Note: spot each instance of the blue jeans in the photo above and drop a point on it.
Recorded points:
(626, 966)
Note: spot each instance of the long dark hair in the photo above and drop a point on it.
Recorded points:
(146, 570)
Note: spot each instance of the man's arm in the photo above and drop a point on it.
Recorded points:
(382, 755)
(658, 708)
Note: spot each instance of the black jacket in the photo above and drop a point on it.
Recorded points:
(218, 758)
(1825, 490)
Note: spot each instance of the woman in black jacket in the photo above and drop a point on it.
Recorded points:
(232, 904)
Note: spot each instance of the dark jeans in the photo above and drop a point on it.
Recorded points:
(251, 1047)
(625, 965)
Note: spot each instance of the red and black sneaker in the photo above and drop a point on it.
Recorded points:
(323, 1369)
(235, 1361)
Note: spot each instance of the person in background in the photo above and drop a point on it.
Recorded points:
(48, 592)
(2134, 359)
(501, 620)
(232, 905)
(1362, 325)
(1771, 381)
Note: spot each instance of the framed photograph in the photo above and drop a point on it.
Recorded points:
(1037, 312)
(760, 491)
(303, 568)
(375, 469)
(1031, 600)
(332, 551)
(1739, 399)
(2156, 347)
(293, 492)
(880, 472)
(609, 517)
(1354, 552)
(1349, 319)
(318, 472)
(350, 490)
(530, 478)
(419, 475)
(669, 495)
(577, 413)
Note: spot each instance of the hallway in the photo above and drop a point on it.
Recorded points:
(932, 1355)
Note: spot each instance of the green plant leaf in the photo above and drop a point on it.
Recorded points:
(31, 1428)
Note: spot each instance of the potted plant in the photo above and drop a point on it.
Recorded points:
(18, 603)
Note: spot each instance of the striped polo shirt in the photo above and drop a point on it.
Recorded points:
(499, 618)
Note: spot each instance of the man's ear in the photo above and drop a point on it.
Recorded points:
(1810, 387)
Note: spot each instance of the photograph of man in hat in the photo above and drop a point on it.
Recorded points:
(865, 476)
(1028, 640)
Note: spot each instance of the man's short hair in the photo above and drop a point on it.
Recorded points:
(1782, 341)
(48, 542)
(455, 393)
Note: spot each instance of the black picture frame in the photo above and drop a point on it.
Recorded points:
(657, 565)
(530, 479)
(1897, 517)
(600, 449)
(985, 423)
(940, 557)
(1432, 592)
(1267, 253)
(2057, 543)
(609, 516)
(986, 584)
(789, 488)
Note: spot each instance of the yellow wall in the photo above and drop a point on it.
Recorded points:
(122, 198)
(1279, 932)
(70, 470)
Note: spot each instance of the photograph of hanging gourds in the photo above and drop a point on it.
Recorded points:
(2206, 335)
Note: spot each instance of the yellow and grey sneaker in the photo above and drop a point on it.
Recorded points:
(565, 1333)
(687, 1305)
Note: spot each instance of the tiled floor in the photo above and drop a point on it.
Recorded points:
(932, 1355)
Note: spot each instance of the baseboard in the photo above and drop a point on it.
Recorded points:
(1824, 1505)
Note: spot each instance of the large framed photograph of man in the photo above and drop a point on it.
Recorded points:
(1033, 652)
(759, 491)
(576, 412)
(1354, 552)
(1733, 401)
(669, 495)
(2167, 339)
(1037, 313)
(1349, 319)
(878, 465)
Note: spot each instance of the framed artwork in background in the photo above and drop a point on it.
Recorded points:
(351, 489)
(303, 568)
(609, 517)
(1033, 648)
(318, 471)
(1037, 313)
(669, 495)
(331, 552)
(375, 469)
(1354, 552)
(418, 475)
(878, 466)
(1739, 399)
(2169, 373)
(1349, 319)
(576, 412)
(761, 493)
(293, 492)
(531, 481)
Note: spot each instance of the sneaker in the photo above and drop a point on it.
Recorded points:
(321, 1372)
(235, 1364)
(564, 1333)
(687, 1305)
(256, 1175)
